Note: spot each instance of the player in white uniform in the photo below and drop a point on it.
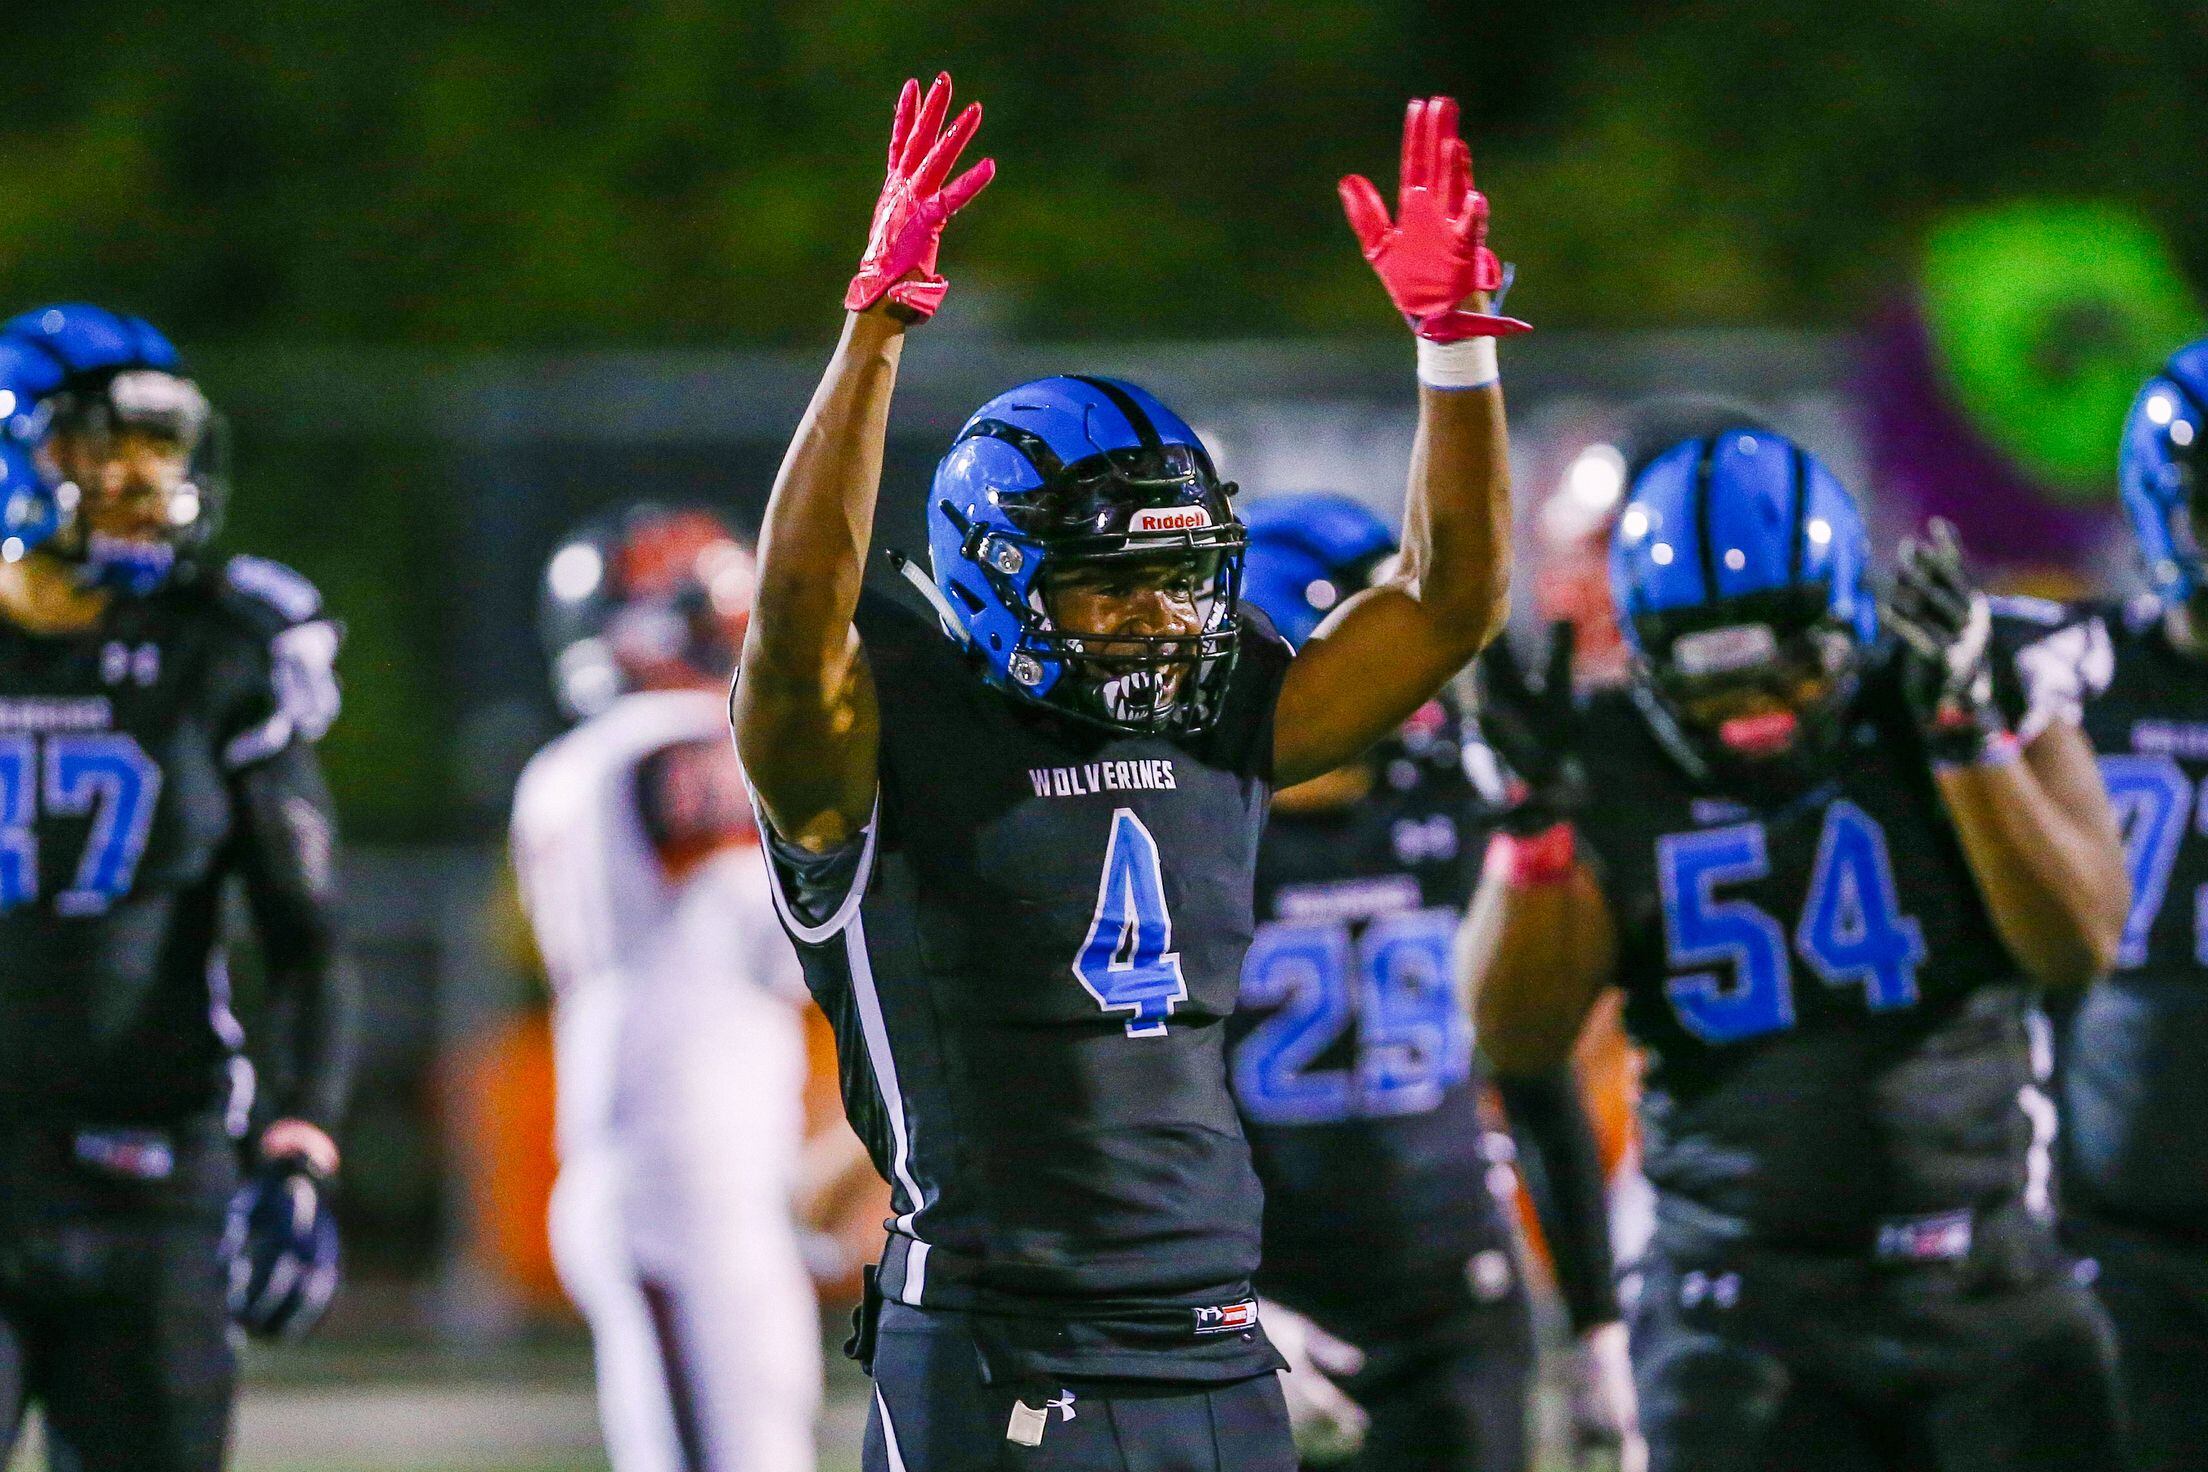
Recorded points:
(679, 1048)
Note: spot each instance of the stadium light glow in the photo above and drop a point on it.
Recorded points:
(575, 573)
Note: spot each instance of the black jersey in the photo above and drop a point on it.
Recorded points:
(1029, 964)
(1351, 1055)
(2135, 1069)
(143, 763)
(1837, 1036)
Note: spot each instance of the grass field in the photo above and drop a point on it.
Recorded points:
(320, 1408)
(325, 1408)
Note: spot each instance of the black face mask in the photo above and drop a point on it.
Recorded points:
(1746, 705)
(1150, 683)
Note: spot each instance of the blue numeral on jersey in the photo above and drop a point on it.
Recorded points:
(1128, 963)
(18, 810)
(1414, 1040)
(1853, 932)
(109, 777)
(1700, 930)
(1393, 986)
(105, 775)
(2150, 796)
(1301, 971)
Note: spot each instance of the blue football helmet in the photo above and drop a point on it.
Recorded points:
(86, 372)
(1307, 552)
(1740, 573)
(1086, 474)
(2159, 467)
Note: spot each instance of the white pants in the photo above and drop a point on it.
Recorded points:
(677, 1243)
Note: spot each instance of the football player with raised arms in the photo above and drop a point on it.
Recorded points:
(159, 707)
(1355, 1069)
(679, 1049)
(1828, 874)
(1015, 839)
(2135, 1060)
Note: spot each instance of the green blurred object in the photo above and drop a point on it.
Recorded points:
(2045, 315)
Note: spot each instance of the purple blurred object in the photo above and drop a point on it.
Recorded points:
(1926, 460)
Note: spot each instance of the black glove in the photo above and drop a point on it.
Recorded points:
(1947, 628)
(282, 1249)
(1535, 734)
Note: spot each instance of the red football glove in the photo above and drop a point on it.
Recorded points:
(915, 203)
(1434, 254)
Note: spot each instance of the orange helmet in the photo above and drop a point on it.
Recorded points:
(644, 598)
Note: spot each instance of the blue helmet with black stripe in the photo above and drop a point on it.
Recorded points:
(1092, 479)
(2159, 468)
(1307, 552)
(1740, 572)
(94, 374)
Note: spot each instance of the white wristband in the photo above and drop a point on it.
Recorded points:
(1467, 363)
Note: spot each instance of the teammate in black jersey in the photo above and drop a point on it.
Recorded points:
(2135, 1061)
(158, 710)
(1827, 874)
(1016, 838)
(1354, 1068)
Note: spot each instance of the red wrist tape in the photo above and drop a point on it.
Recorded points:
(1542, 858)
(2001, 748)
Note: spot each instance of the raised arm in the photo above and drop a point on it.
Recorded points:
(803, 707)
(1388, 649)
(2028, 806)
(2045, 850)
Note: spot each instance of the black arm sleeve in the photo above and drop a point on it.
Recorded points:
(1562, 1167)
(287, 854)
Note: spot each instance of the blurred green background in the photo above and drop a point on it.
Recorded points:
(426, 181)
(576, 173)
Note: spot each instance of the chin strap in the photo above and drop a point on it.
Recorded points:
(910, 571)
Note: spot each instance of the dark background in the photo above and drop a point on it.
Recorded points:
(568, 173)
(337, 207)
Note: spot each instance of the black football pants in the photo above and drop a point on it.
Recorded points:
(2155, 1287)
(1759, 1368)
(113, 1319)
(933, 1412)
(1450, 1398)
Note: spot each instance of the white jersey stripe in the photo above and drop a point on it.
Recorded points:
(916, 1274)
(848, 908)
(889, 1432)
(884, 1065)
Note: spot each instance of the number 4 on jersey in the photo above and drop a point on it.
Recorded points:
(1128, 962)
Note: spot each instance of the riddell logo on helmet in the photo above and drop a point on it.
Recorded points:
(1169, 519)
